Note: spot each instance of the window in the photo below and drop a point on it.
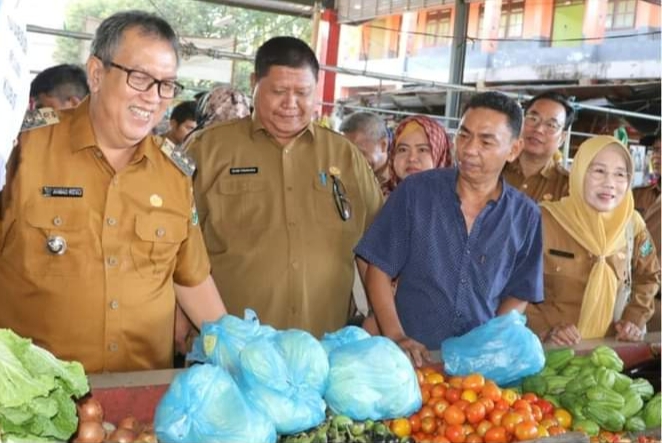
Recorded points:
(510, 22)
(438, 28)
(621, 14)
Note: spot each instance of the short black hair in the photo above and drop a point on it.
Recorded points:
(184, 111)
(284, 51)
(61, 81)
(558, 98)
(369, 123)
(499, 102)
(110, 32)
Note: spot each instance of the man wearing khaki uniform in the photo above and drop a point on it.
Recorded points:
(283, 201)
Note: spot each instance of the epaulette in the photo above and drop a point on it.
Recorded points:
(183, 162)
(38, 118)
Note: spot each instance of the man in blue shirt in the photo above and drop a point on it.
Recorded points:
(463, 245)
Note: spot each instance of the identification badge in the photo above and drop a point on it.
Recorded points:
(244, 170)
(38, 118)
(61, 191)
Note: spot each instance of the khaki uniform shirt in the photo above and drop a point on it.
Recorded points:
(645, 197)
(108, 300)
(567, 266)
(550, 184)
(274, 235)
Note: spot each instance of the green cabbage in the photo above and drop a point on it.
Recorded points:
(35, 392)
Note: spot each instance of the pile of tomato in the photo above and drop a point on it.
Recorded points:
(472, 409)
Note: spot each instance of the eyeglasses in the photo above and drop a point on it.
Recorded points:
(342, 202)
(549, 126)
(598, 173)
(142, 81)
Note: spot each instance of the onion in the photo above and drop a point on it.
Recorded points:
(90, 410)
(129, 422)
(146, 437)
(90, 432)
(122, 435)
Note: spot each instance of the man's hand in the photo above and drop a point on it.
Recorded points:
(417, 353)
(563, 334)
(628, 331)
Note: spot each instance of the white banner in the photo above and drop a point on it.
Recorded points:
(14, 75)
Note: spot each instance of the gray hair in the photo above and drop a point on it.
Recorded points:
(368, 123)
(110, 33)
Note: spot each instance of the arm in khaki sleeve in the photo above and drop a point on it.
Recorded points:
(202, 303)
(510, 303)
(645, 280)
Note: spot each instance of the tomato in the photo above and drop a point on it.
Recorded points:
(426, 411)
(491, 391)
(401, 427)
(510, 420)
(440, 407)
(434, 379)
(456, 382)
(425, 394)
(496, 416)
(530, 397)
(545, 406)
(427, 370)
(455, 433)
(501, 405)
(474, 382)
(419, 376)
(526, 414)
(488, 403)
(496, 434)
(454, 415)
(509, 395)
(452, 395)
(483, 426)
(462, 404)
(527, 430)
(440, 439)
(469, 395)
(428, 425)
(438, 390)
(473, 438)
(521, 404)
(542, 431)
(536, 412)
(475, 412)
(549, 422)
(556, 430)
(415, 423)
(563, 417)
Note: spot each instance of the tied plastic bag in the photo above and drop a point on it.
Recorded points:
(503, 350)
(204, 404)
(372, 379)
(348, 334)
(220, 342)
(284, 376)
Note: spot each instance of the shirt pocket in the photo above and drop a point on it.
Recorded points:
(244, 204)
(157, 241)
(327, 213)
(52, 220)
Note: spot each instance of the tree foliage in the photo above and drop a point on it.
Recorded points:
(190, 18)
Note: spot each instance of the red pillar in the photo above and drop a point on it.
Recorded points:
(328, 45)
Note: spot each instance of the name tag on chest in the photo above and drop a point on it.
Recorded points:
(61, 191)
(244, 170)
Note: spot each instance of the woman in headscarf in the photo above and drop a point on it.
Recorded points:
(420, 143)
(601, 270)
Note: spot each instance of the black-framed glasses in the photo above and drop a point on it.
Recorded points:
(340, 197)
(142, 81)
(549, 126)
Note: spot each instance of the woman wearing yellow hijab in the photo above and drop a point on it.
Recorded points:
(600, 267)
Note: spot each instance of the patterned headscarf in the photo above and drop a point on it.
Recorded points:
(222, 104)
(440, 146)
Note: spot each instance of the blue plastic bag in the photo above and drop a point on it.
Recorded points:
(503, 350)
(372, 379)
(348, 334)
(284, 376)
(204, 404)
(220, 342)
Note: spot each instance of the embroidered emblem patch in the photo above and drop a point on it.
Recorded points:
(646, 249)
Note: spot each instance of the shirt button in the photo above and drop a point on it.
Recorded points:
(111, 221)
(295, 264)
(160, 232)
(463, 280)
(525, 186)
(114, 305)
(112, 261)
(558, 269)
(98, 153)
(113, 347)
(57, 221)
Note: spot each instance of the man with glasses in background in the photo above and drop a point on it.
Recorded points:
(282, 201)
(99, 232)
(536, 172)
